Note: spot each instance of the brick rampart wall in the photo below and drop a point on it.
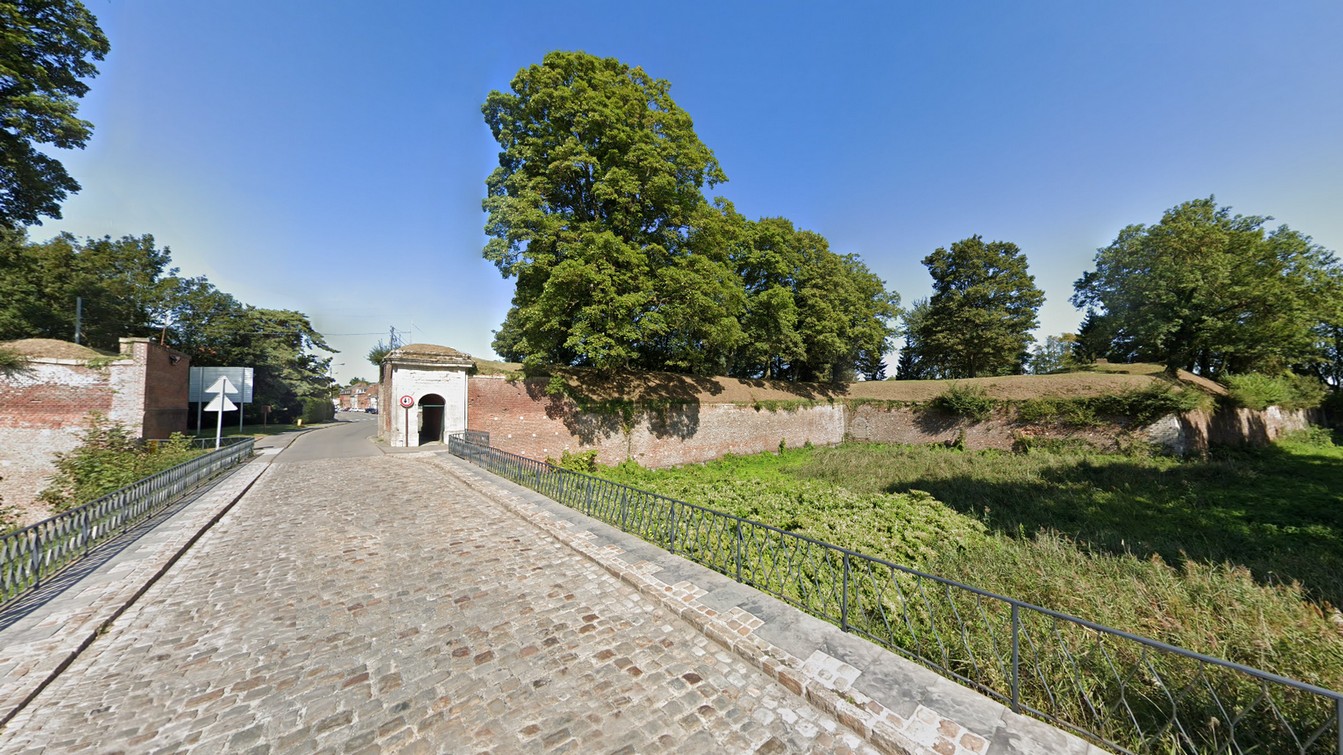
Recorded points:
(522, 419)
(165, 391)
(44, 410)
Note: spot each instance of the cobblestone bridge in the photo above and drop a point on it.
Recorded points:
(408, 602)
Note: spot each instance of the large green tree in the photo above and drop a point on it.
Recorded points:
(911, 365)
(981, 313)
(217, 330)
(120, 283)
(1212, 292)
(600, 176)
(47, 50)
(808, 313)
(597, 209)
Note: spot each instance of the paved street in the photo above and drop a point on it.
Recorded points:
(374, 603)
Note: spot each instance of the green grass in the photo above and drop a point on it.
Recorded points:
(1238, 556)
(1277, 512)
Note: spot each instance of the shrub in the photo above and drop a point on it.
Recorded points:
(1256, 390)
(1310, 437)
(1146, 405)
(1067, 411)
(1333, 407)
(12, 362)
(318, 410)
(109, 459)
(968, 401)
(577, 461)
(1142, 405)
(9, 517)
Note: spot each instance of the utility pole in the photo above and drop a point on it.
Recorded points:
(79, 316)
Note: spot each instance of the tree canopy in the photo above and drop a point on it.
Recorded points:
(597, 209)
(599, 176)
(979, 318)
(47, 49)
(1212, 292)
(121, 282)
(129, 289)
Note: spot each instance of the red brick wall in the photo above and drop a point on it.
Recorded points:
(522, 419)
(53, 405)
(44, 410)
(165, 393)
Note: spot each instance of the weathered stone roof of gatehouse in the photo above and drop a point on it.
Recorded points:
(428, 353)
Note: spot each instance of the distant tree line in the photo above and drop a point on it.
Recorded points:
(597, 210)
(1203, 290)
(129, 289)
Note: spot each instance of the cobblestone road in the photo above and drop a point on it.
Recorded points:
(375, 605)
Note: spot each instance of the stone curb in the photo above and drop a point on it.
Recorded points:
(38, 647)
(822, 680)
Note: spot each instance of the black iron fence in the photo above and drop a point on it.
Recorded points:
(32, 554)
(1123, 691)
(203, 442)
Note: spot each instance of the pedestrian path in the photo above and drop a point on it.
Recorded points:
(383, 604)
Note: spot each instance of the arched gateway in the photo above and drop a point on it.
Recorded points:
(422, 394)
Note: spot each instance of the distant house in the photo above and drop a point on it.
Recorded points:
(358, 397)
(44, 407)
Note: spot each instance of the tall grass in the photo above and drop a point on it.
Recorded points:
(1277, 512)
(1236, 557)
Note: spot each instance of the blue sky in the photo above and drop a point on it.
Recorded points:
(330, 156)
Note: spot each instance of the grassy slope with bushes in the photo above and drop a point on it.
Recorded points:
(1236, 556)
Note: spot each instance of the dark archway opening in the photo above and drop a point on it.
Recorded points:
(431, 418)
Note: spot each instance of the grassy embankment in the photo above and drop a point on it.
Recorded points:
(1238, 556)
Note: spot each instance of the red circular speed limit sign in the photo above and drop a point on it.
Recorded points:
(407, 402)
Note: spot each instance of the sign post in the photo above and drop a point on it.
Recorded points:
(220, 404)
(406, 403)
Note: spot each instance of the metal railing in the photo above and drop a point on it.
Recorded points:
(203, 442)
(32, 554)
(1120, 690)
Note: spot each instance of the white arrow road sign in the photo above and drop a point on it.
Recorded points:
(220, 403)
(222, 385)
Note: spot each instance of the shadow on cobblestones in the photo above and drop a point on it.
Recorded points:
(25, 604)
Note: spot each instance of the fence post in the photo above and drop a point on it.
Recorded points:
(671, 537)
(737, 550)
(37, 558)
(844, 597)
(624, 510)
(1016, 658)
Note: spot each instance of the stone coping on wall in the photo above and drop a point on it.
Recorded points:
(895, 704)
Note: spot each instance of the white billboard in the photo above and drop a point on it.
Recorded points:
(204, 377)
